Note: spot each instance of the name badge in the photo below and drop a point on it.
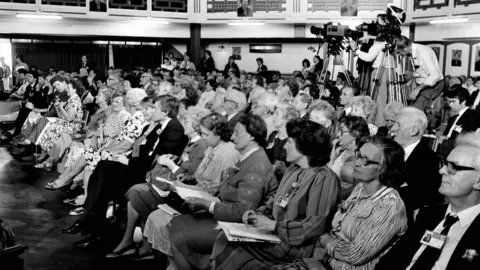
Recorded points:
(282, 202)
(185, 157)
(433, 239)
(458, 129)
(143, 142)
(270, 145)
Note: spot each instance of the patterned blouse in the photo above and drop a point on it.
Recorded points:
(216, 161)
(113, 126)
(133, 128)
(364, 226)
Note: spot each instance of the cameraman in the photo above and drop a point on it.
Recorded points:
(426, 72)
(376, 55)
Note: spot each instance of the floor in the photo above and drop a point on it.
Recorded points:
(35, 214)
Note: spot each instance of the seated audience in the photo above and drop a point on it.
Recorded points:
(373, 217)
(234, 104)
(322, 112)
(301, 103)
(247, 186)
(458, 221)
(298, 213)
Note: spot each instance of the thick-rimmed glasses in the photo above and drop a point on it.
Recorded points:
(453, 168)
(365, 161)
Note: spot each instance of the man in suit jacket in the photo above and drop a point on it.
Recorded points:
(261, 67)
(464, 119)
(459, 221)
(421, 175)
(85, 64)
(234, 105)
(98, 6)
(208, 62)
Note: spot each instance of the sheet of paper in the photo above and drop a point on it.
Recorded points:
(242, 230)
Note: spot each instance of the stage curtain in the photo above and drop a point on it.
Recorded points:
(65, 57)
(128, 57)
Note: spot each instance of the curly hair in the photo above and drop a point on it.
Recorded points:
(369, 107)
(357, 126)
(311, 139)
(289, 112)
(218, 124)
(322, 105)
(393, 162)
(195, 114)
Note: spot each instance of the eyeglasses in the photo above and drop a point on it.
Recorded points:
(453, 168)
(229, 100)
(365, 161)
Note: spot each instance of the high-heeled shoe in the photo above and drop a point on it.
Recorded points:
(75, 228)
(87, 242)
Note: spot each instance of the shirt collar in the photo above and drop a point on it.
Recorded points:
(409, 149)
(414, 50)
(466, 216)
(195, 139)
(243, 157)
(462, 112)
(229, 117)
(165, 123)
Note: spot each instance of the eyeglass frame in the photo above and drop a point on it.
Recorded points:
(365, 161)
(454, 168)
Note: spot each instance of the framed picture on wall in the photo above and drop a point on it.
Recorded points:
(237, 53)
(98, 6)
(348, 8)
(245, 8)
(457, 59)
(439, 52)
(476, 65)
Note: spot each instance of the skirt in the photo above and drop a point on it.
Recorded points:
(156, 231)
(144, 199)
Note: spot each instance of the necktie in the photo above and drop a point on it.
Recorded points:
(430, 255)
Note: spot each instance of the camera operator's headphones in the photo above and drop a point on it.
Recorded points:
(398, 13)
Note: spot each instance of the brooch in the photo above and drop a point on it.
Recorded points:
(470, 254)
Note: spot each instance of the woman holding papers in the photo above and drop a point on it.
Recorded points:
(299, 212)
(247, 186)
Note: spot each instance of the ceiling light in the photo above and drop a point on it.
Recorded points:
(246, 23)
(150, 20)
(39, 16)
(450, 20)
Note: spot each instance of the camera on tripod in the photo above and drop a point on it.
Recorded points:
(387, 24)
(335, 30)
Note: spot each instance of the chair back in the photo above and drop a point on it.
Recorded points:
(86, 115)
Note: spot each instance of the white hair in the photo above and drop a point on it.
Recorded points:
(268, 100)
(393, 108)
(415, 117)
(136, 95)
(471, 140)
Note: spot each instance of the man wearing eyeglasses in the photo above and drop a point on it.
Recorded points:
(421, 175)
(234, 105)
(447, 236)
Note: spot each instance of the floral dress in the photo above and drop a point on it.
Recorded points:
(130, 132)
(113, 126)
(58, 126)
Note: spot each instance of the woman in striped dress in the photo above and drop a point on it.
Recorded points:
(369, 222)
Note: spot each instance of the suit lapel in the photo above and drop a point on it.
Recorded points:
(469, 241)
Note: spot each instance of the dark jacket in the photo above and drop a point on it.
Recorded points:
(262, 68)
(233, 122)
(422, 179)
(469, 121)
(208, 65)
(401, 255)
(89, 65)
(171, 141)
(228, 67)
(93, 7)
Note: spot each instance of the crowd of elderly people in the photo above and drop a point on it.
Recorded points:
(312, 165)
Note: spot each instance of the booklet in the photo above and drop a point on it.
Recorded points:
(240, 232)
(185, 192)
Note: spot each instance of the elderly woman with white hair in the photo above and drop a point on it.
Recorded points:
(84, 160)
(264, 107)
(389, 116)
(323, 113)
(365, 107)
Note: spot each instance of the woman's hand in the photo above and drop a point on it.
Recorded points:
(166, 160)
(263, 223)
(247, 217)
(325, 239)
(121, 159)
(197, 204)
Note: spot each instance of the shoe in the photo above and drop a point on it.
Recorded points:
(77, 211)
(126, 251)
(149, 255)
(87, 242)
(54, 186)
(75, 228)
